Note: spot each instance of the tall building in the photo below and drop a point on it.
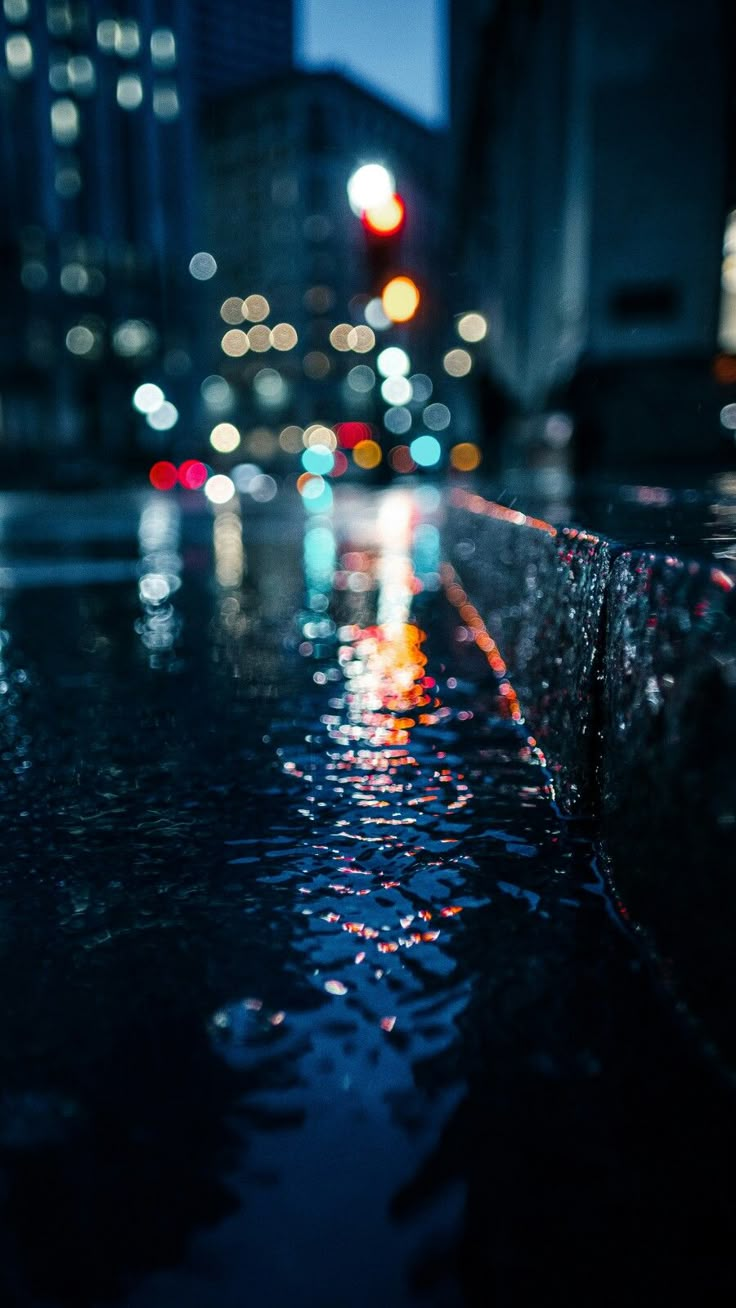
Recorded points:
(239, 42)
(276, 164)
(97, 222)
(593, 176)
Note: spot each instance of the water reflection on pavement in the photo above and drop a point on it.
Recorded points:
(311, 998)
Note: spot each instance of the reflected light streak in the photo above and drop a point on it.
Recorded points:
(227, 539)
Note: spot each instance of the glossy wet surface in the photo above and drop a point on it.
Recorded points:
(310, 996)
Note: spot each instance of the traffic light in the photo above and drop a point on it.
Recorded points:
(385, 219)
(383, 226)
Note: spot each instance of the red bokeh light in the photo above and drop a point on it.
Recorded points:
(349, 434)
(192, 474)
(340, 465)
(163, 476)
(401, 460)
(385, 219)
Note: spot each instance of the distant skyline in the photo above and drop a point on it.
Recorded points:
(398, 48)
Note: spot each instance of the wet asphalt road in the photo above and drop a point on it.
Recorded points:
(310, 996)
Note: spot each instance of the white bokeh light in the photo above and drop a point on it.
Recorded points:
(219, 489)
(369, 186)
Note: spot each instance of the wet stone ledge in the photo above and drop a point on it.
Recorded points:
(624, 662)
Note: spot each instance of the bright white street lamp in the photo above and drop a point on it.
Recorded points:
(370, 186)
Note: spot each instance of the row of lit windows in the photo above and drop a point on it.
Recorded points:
(78, 73)
(65, 120)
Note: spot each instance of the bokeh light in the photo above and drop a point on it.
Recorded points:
(375, 316)
(163, 475)
(316, 365)
(244, 474)
(367, 454)
(270, 387)
(385, 219)
(396, 390)
(261, 443)
(311, 486)
(164, 417)
(202, 266)
(421, 386)
(284, 336)
(400, 299)
(361, 339)
(290, 439)
(216, 393)
(457, 363)
(425, 451)
(361, 379)
(436, 417)
(350, 434)
(400, 459)
(471, 327)
(19, 55)
(256, 308)
(219, 489)
(192, 474)
(235, 343)
(339, 336)
(263, 488)
(224, 438)
(259, 338)
(147, 397)
(370, 186)
(80, 339)
(133, 336)
(318, 434)
(318, 459)
(393, 362)
(231, 309)
(397, 421)
(319, 299)
(465, 457)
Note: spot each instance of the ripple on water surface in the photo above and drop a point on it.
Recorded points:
(310, 989)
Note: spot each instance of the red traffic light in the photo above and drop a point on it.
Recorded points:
(385, 219)
(192, 474)
(163, 475)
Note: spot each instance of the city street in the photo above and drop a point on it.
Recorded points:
(312, 995)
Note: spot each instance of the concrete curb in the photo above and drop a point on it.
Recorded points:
(624, 662)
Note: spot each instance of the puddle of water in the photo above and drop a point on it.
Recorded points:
(310, 989)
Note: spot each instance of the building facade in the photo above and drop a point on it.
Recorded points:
(240, 42)
(594, 175)
(97, 159)
(277, 162)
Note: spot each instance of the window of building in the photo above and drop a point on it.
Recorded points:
(129, 91)
(19, 55)
(16, 11)
(166, 102)
(64, 121)
(163, 48)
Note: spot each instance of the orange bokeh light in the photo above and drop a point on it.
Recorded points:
(400, 299)
(385, 219)
(367, 454)
(465, 457)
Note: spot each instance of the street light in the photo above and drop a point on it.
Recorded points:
(370, 186)
(400, 299)
(385, 219)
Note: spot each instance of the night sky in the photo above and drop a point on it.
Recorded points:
(396, 47)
